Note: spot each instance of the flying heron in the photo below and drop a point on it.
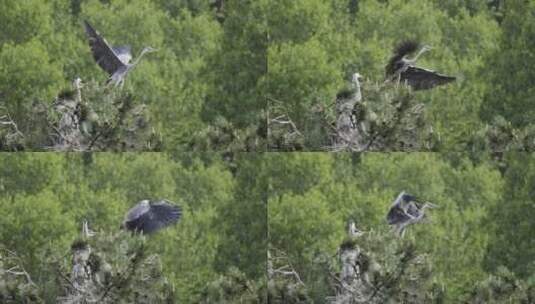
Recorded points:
(406, 210)
(114, 60)
(150, 216)
(402, 69)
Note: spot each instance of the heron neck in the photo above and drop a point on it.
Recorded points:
(78, 94)
(356, 87)
(413, 60)
(139, 58)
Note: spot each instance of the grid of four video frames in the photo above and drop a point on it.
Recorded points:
(268, 151)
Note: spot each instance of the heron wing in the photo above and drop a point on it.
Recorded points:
(423, 79)
(137, 211)
(413, 209)
(102, 52)
(395, 64)
(396, 215)
(161, 214)
(124, 53)
(398, 199)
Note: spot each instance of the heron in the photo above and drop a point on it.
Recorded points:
(353, 231)
(86, 232)
(150, 216)
(403, 69)
(406, 210)
(114, 60)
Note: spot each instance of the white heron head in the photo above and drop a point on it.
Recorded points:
(357, 77)
(77, 83)
(426, 48)
(429, 205)
(149, 49)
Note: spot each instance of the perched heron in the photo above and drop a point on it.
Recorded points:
(402, 69)
(148, 217)
(353, 231)
(86, 232)
(114, 60)
(406, 210)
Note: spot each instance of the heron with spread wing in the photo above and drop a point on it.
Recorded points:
(402, 69)
(114, 60)
(405, 211)
(150, 216)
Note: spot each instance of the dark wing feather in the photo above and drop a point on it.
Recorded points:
(161, 214)
(102, 52)
(406, 47)
(413, 209)
(395, 64)
(396, 61)
(423, 79)
(396, 215)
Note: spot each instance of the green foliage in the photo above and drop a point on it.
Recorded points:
(233, 288)
(238, 66)
(503, 287)
(314, 195)
(508, 103)
(245, 241)
(297, 83)
(43, 47)
(293, 222)
(24, 20)
(309, 58)
(284, 283)
(511, 92)
(44, 211)
(395, 268)
(15, 284)
(47, 196)
(514, 209)
(123, 271)
(224, 137)
(26, 75)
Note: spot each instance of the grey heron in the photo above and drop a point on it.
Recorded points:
(86, 232)
(353, 231)
(150, 216)
(114, 60)
(405, 211)
(402, 69)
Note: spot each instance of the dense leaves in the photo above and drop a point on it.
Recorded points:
(185, 86)
(486, 45)
(221, 236)
(483, 220)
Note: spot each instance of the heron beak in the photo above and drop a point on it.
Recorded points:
(432, 205)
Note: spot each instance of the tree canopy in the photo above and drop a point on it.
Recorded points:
(201, 88)
(480, 227)
(47, 197)
(315, 47)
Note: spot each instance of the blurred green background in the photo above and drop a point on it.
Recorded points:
(45, 197)
(484, 221)
(203, 77)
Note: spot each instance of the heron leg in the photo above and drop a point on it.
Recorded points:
(398, 229)
(119, 83)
